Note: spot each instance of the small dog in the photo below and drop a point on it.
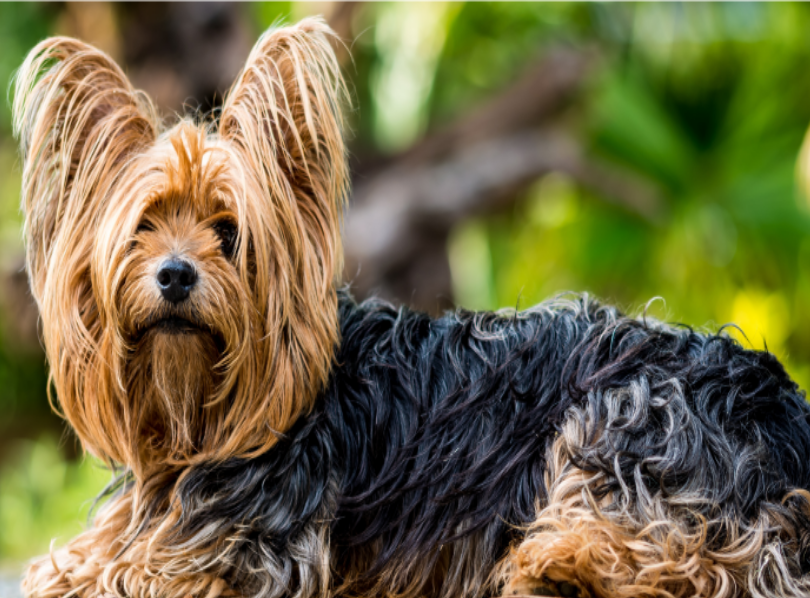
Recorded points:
(279, 439)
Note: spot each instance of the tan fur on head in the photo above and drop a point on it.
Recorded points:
(107, 196)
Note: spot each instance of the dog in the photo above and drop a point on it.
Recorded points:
(272, 437)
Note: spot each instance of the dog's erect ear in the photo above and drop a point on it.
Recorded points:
(78, 119)
(284, 112)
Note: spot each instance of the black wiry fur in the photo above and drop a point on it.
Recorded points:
(428, 446)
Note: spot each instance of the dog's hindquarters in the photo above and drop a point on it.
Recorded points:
(678, 472)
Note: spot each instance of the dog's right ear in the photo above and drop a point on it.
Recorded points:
(78, 120)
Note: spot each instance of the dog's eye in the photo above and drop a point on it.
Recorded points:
(226, 231)
(145, 227)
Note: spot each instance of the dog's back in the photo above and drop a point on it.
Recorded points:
(643, 457)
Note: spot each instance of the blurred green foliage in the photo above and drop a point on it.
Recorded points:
(44, 497)
(706, 103)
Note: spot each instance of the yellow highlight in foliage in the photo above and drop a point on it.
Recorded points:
(763, 318)
(553, 201)
(803, 167)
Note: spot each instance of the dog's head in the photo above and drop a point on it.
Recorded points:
(185, 278)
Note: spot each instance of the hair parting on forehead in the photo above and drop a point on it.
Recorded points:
(89, 140)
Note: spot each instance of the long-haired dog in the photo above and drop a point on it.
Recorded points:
(277, 439)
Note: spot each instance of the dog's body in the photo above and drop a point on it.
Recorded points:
(435, 440)
(282, 440)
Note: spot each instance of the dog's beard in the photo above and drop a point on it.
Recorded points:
(172, 378)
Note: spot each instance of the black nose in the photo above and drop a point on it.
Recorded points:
(176, 278)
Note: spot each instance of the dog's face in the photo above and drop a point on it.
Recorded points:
(185, 278)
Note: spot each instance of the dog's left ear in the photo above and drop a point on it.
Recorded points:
(285, 112)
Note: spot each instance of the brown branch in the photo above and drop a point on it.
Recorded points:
(403, 212)
(543, 90)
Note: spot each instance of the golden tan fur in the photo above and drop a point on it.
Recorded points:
(97, 164)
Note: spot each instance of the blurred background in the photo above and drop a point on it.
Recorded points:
(501, 153)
